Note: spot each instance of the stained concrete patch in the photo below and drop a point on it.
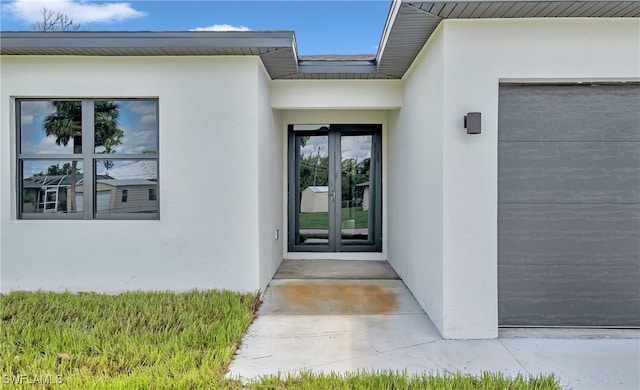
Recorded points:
(346, 297)
(335, 269)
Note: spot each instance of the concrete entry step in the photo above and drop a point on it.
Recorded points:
(335, 269)
(338, 297)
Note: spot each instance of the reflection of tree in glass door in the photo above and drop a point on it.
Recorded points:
(355, 178)
(313, 187)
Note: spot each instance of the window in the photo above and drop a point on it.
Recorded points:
(75, 156)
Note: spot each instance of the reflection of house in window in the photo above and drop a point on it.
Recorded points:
(315, 199)
(124, 196)
(365, 194)
(152, 194)
(44, 194)
(47, 193)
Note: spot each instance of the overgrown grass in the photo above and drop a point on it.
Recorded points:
(400, 380)
(166, 341)
(130, 341)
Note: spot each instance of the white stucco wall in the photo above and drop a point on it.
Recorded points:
(336, 94)
(475, 56)
(415, 190)
(270, 194)
(207, 233)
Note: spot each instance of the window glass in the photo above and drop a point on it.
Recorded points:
(313, 168)
(47, 187)
(126, 126)
(124, 186)
(50, 127)
(50, 158)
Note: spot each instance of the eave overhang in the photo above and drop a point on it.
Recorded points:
(410, 24)
(408, 27)
(277, 49)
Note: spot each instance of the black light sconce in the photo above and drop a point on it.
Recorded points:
(472, 123)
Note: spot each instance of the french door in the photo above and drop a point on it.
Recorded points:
(335, 194)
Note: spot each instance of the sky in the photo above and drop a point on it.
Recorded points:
(321, 26)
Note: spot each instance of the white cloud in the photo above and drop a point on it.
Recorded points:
(45, 145)
(26, 120)
(142, 107)
(81, 11)
(315, 144)
(148, 119)
(222, 27)
(356, 147)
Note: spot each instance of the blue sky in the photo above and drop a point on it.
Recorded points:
(322, 27)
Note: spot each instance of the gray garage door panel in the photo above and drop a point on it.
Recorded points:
(570, 234)
(569, 113)
(593, 172)
(569, 205)
(606, 292)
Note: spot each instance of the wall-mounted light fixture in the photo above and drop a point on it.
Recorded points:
(472, 123)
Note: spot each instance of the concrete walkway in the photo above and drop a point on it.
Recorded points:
(325, 316)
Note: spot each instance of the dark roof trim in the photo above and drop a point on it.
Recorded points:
(337, 66)
(276, 48)
(146, 39)
(408, 26)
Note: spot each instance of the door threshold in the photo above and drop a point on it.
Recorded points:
(336, 270)
(377, 256)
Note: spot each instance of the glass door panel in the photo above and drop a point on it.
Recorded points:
(312, 190)
(355, 177)
(334, 188)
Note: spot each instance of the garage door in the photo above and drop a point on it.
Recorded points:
(569, 205)
(103, 201)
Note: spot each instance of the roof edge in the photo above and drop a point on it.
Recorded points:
(408, 26)
(147, 39)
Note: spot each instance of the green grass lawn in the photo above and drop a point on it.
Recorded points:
(321, 220)
(164, 341)
(129, 341)
(400, 380)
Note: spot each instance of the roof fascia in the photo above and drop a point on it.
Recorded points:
(337, 67)
(181, 39)
(394, 8)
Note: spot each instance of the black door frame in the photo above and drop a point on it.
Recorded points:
(334, 132)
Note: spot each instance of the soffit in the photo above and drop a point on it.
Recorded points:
(411, 23)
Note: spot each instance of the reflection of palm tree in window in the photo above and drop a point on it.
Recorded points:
(107, 133)
(65, 124)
